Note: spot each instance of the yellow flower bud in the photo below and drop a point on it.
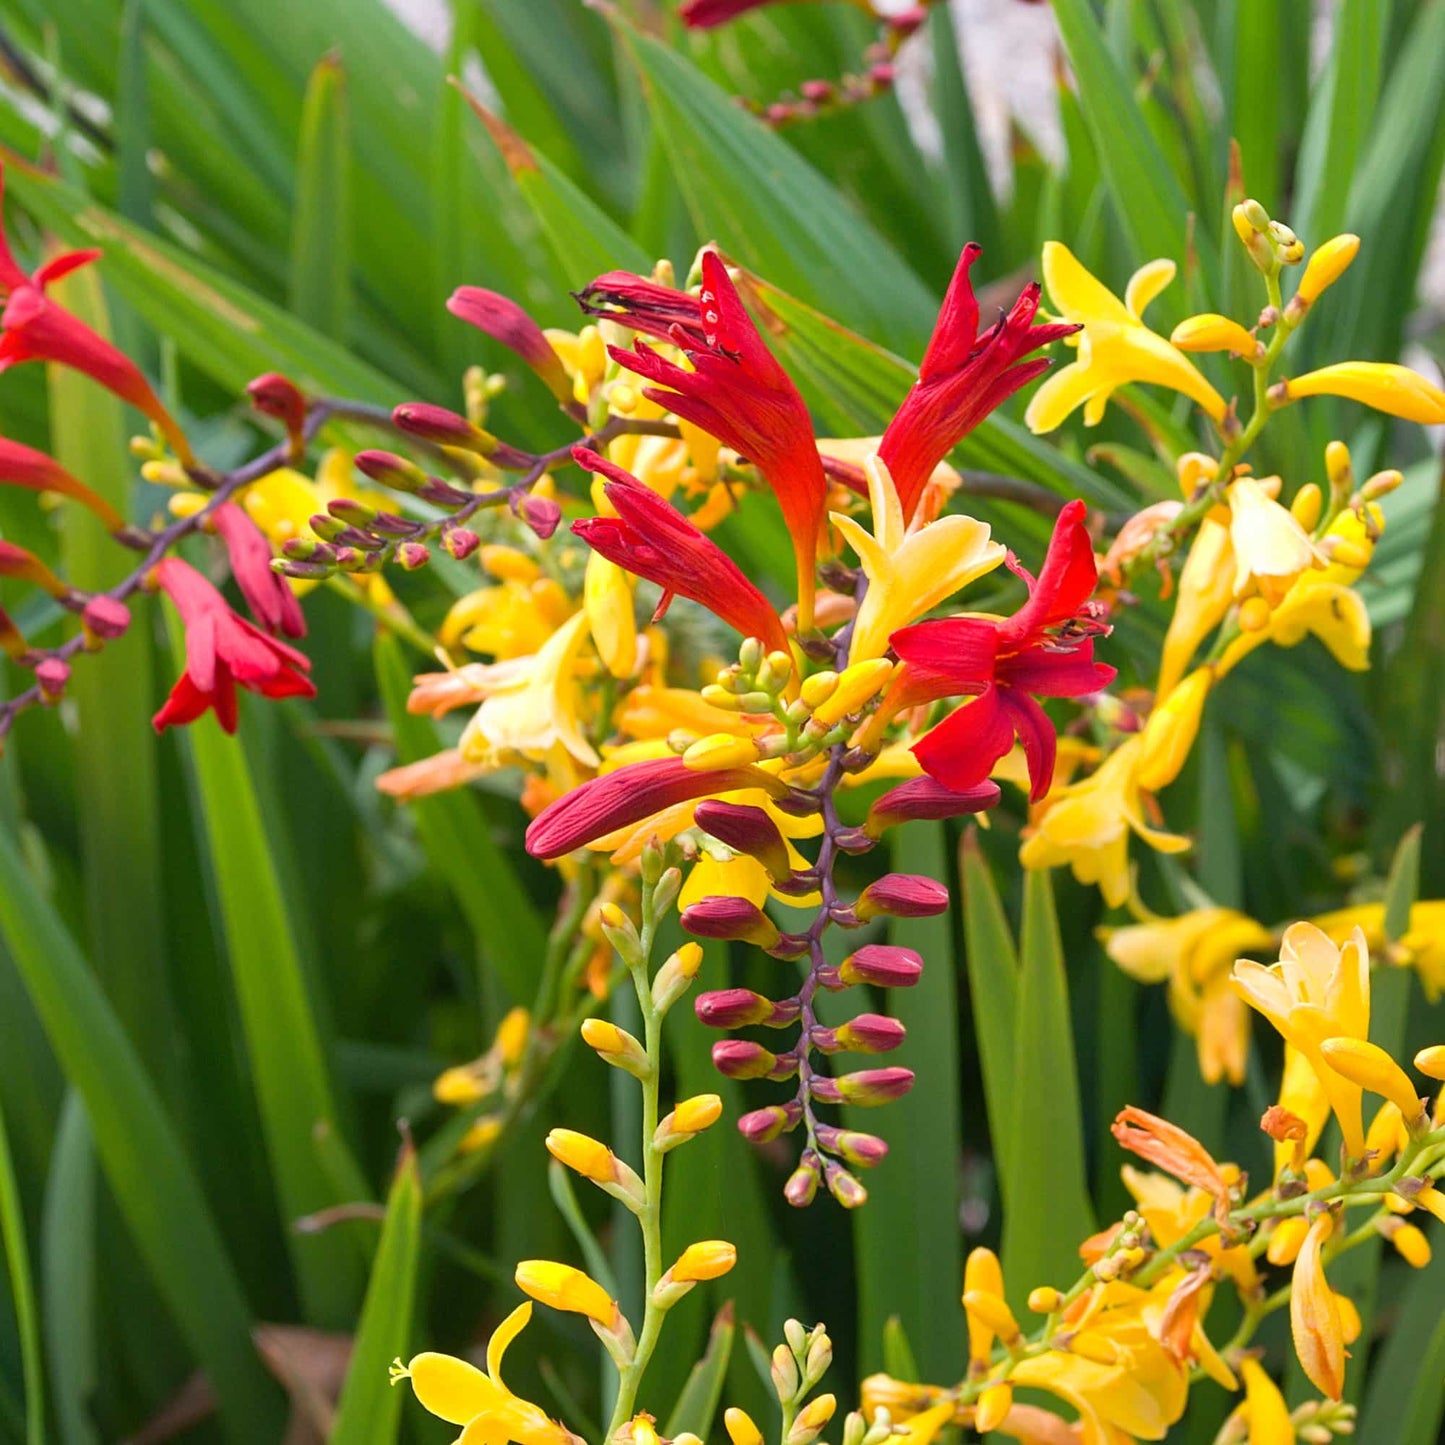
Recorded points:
(720, 750)
(1307, 505)
(1253, 615)
(1045, 1300)
(816, 1413)
(1370, 1067)
(1383, 385)
(622, 398)
(857, 685)
(694, 1115)
(993, 1405)
(1171, 730)
(511, 1040)
(709, 1259)
(459, 1086)
(481, 1135)
(1411, 1243)
(183, 504)
(1431, 1061)
(591, 356)
(587, 1156)
(1329, 262)
(1285, 1240)
(1269, 1421)
(740, 1427)
(816, 690)
(565, 1288)
(1214, 333)
(1381, 485)
(993, 1312)
(1338, 468)
(1432, 1200)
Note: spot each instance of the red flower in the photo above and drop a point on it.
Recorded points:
(736, 392)
(503, 320)
(615, 800)
(704, 14)
(652, 539)
(963, 378)
(222, 650)
(22, 466)
(272, 602)
(36, 329)
(1044, 650)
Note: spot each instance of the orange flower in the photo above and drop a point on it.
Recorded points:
(1175, 1151)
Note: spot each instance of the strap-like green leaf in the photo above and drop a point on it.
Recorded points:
(321, 223)
(697, 1404)
(22, 1292)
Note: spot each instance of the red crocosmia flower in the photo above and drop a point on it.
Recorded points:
(736, 392)
(704, 14)
(1045, 649)
(222, 650)
(272, 602)
(616, 800)
(22, 466)
(646, 306)
(650, 538)
(503, 320)
(964, 377)
(36, 329)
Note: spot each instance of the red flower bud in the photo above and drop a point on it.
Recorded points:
(925, 798)
(886, 965)
(391, 470)
(105, 617)
(866, 1034)
(278, 396)
(802, 1185)
(746, 829)
(741, 1059)
(861, 1150)
(437, 424)
(460, 542)
(902, 895)
(52, 673)
(541, 514)
(867, 1088)
(763, 1125)
(723, 916)
(413, 555)
(503, 320)
(735, 1008)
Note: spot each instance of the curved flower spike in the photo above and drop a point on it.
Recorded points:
(1116, 348)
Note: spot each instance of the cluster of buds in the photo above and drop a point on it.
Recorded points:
(797, 1366)
(488, 1083)
(1270, 244)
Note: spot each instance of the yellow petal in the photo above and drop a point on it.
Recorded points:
(1269, 1421)
(1077, 293)
(1171, 730)
(1314, 1315)
(503, 1336)
(1210, 332)
(452, 1389)
(1061, 393)
(1146, 283)
(1382, 385)
(1370, 1067)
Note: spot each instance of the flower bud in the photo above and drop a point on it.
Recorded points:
(902, 895)
(784, 1371)
(735, 1008)
(740, 1427)
(503, 320)
(51, 675)
(565, 1288)
(742, 1059)
(856, 687)
(446, 428)
(722, 916)
(867, 1088)
(761, 1126)
(720, 750)
(866, 1034)
(541, 514)
(745, 829)
(885, 965)
(621, 933)
(811, 1420)
(1306, 505)
(1215, 333)
(1045, 1300)
(687, 1120)
(993, 1405)
(1330, 260)
(709, 1259)
(843, 1186)
(1431, 1061)
(595, 1161)
(861, 1150)
(391, 470)
(802, 1185)
(277, 396)
(675, 976)
(104, 617)
(816, 690)
(989, 1308)
(413, 556)
(921, 798)
(1381, 485)
(617, 1047)
(460, 542)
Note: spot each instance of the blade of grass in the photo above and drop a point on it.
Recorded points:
(22, 1292)
(697, 1404)
(321, 222)
(147, 1168)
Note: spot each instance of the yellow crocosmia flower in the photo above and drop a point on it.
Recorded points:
(565, 1288)
(983, 1276)
(514, 618)
(708, 1259)
(1379, 384)
(1115, 347)
(1431, 1061)
(1210, 332)
(1171, 730)
(1329, 261)
(910, 570)
(1264, 1407)
(589, 1157)
(901, 1398)
(1315, 992)
(1087, 826)
(461, 1394)
(1422, 946)
(1195, 953)
(541, 707)
(1370, 1067)
(1205, 593)
(607, 598)
(1314, 1314)
(1270, 547)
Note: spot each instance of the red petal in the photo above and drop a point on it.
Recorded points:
(961, 751)
(1065, 583)
(1036, 733)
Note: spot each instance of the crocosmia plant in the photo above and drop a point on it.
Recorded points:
(722, 722)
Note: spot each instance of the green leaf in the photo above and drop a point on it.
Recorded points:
(321, 221)
(751, 192)
(993, 985)
(22, 1292)
(906, 1239)
(1045, 1197)
(68, 1276)
(1147, 195)
(283, 1042)
(898, 1359)
(459, 841)
(369, 1411)
(153, 1182)
(1406, 1394)
(697, 1404)
(225, 329)
(1403, 885)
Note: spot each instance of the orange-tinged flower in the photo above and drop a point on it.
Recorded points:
(1314, 1314)
(1174, 1150)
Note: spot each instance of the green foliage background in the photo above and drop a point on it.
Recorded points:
(227, 967)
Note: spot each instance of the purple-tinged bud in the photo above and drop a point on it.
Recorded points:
(388, 524)
(307, 549)
(723, 916)
(866, 1034)
(541, 514)
(460, 542)
(442, 494)
(413, 555)
(746, 829)
(867, 1088)
(350, 559)
(324, 525)
(446, 428)
(503, 320)
(802, 1185)
(391, 470)
(51, 675)
(853, 840)
(762, 1126)
(105, 617)
(904, 22)
(843, 1186)
(925, 798)
(357, 537)
(886, 965)
(902, 895)
(861, 1150)
(736, 1008)
(302, 571)
(741, 1059)
(350, 512)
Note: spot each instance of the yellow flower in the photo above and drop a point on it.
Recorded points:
(1206, 589)
(1087, 825)
(1270, 547)
(1115, 347)
(1369, 1066)
(565, 1288)
(1195, 953)
(607, 598)
(1171, 730)
(512, 619)
(1314, 1314)
(1423, 944)
(1317, 991)
(461, 1394)
(1379, 384)
(1264, 1407)
(539, 707)
(910, 570)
